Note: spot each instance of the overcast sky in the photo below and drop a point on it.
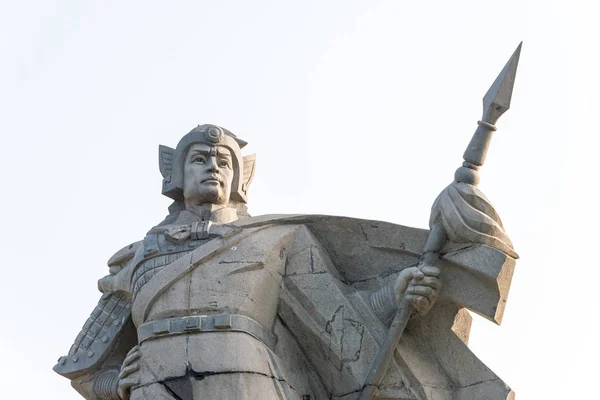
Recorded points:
(356, 108)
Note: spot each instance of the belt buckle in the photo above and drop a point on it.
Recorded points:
(192, 323)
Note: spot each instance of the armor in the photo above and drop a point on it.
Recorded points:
(97, 337)
(100, 347)
(158, 252)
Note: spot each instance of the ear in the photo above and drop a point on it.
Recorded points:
(165, 160)
(249, 166)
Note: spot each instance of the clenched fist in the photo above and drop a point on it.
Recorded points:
(420, 286)
(128, 376)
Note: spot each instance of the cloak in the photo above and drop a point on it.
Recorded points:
(328, 334)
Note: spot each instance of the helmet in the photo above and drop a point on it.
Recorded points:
(171, 161)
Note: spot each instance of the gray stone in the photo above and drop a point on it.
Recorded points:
(215, 304)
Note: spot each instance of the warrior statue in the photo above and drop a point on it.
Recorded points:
(215, 304)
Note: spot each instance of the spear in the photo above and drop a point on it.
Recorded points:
(495, 103)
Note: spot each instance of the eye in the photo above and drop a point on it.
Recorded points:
(223, 163)
(199, 160)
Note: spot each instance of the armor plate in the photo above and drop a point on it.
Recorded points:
(97, 337)
(158, 252)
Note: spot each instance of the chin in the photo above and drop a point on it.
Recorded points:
(213, 198)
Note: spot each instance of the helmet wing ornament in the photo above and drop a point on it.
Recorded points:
(165, 160)
(249, 167)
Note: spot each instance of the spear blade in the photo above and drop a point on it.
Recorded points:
(497, 99)
(495, 103)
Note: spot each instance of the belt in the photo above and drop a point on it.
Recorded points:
(205, 323)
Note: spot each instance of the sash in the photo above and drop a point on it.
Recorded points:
(178, 269)
(227, 235)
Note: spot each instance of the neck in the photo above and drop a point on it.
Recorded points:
(218, 213)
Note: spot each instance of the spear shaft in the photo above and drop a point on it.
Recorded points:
(435, 242)
(495, 103)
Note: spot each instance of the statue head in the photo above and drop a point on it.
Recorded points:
(207, 167)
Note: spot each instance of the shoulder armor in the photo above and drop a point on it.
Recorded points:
(124, 255)
(97, 337)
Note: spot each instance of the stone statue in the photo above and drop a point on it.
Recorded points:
(215, 304)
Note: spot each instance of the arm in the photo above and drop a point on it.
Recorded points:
(420, 285)
(94, 360)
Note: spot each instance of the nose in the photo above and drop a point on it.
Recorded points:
(212, 164)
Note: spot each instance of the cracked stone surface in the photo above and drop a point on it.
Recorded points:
(214, 304)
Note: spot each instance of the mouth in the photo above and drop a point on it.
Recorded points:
(212, 180)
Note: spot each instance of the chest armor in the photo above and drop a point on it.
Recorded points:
(158, 253)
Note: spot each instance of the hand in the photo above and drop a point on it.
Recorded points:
(128, 376)
(420, 285)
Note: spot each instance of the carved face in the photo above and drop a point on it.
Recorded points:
(207, 175)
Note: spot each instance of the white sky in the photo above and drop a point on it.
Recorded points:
(354, 108)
